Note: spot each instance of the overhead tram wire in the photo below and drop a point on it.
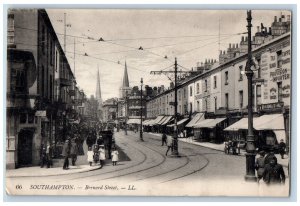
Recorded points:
(142, 38)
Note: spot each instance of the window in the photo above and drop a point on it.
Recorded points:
(10, 29)
(184, 93)
(191, 107)
(191, 91)
(241, 75)
(226, 77)
(206, 105)
(198, 88)
(179, 96)
(258, 69)
(279, 91)
(226, 101)
(216, 103)
(215, 82)
(241, 98)
(167, 99)
(258, 94)
(43, 39)
(20, 80)
(279, 59)
(205, 85)
(198, 106)
(23, 118)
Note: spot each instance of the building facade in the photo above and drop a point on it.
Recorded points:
(48, 87)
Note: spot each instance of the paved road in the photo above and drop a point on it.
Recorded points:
(199, 171)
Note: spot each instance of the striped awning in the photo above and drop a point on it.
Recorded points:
(197, 118)
(209, 123)
(179, 122)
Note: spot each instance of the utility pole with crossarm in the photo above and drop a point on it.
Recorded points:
(175, 136)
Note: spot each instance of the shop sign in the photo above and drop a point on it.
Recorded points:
(41, 113)
(277, 105)
(279, 75)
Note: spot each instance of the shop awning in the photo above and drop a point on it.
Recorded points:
(179, 122)
(134, 121)
(241, 124)
(265, 122)
(155, 121)
(209, 123)
(167, 120)
(269, 122)
(161, 121)
(198, 117)
(145, 122)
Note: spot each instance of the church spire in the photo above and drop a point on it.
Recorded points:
(125, 77)
(98, 90)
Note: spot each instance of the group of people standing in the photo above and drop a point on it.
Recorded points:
(268, 169)
(70, 150)
(95, 155)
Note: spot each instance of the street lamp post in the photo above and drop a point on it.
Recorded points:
(250, 147)
(141, 112)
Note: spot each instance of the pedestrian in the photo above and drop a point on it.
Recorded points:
(43, 157)
(282, 147)
(115, 156)
(164, 139)
(73, 151)
(169, 144)
(260, 165)
(269, 156)
(273, 173)
(90, 155)
(101, 155)
(49, 156)
(66, 153)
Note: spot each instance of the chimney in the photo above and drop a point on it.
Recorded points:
(220, 52)
(202, 64)
(205, 61)
(266, 30)
(279, 19)
(288, 17)
(257, 28)
(270, 30)
(233, 46)
(243, 39)
(246, 38)
(224, 52)
(211, 61)
(215, 61)
(237, 46)
(283, 18)
(229, 46)
(275, 18)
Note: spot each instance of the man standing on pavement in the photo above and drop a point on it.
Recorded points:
(282, 147)
(73, 151)
(260, 165)
(66, 153)
(164, 139)
(274, 173)
(170, 144)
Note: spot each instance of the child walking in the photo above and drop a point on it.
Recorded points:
(115, 156)
(90, 155)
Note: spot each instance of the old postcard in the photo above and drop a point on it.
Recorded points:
(141, 102)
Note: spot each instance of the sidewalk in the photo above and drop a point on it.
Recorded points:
(220, 147)
(81, 166)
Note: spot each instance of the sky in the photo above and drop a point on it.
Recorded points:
(189, 35)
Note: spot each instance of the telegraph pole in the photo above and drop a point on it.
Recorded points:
(141, 111)
(175, 152)
(74, 57)
(175, 137)
(65, 32)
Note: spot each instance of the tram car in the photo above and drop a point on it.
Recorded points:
(106, 138)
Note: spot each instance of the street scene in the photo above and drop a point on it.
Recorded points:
(148, 102)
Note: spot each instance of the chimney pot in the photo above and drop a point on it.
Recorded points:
(237, 45)
(275, 18)
(243, 38)
(279, 19)
(229, 45)
(257, 28)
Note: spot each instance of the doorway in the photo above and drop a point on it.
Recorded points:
(25, 148)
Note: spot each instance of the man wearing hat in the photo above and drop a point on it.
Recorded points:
(66, 153)
(274, 173)
(282, 147)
